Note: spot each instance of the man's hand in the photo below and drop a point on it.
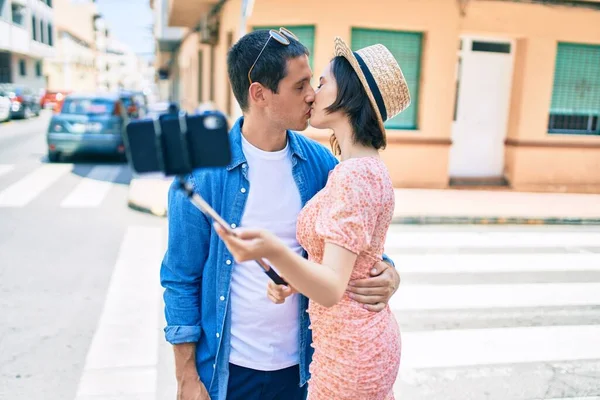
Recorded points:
(375, 292)
(278, 293)
(191, 389)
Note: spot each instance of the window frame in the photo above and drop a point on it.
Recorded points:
(415, 95)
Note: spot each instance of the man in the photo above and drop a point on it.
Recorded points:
(229, 340)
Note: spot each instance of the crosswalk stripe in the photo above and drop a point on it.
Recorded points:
(573, 398)
(455, 348)
(25, 190)
(92, 190)
(6, 168)
(490, 263)
(421, 240)
(446, 297)
(121, 359)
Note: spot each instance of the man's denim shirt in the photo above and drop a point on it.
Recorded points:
(196, 269)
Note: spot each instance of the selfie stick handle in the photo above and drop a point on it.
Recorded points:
(203, 206)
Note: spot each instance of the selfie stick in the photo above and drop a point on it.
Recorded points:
(203, 206)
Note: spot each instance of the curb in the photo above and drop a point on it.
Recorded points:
(435, 220)
(464, 220)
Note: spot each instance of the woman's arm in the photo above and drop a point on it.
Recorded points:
(324, 283)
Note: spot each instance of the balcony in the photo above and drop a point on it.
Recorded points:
(187, 13)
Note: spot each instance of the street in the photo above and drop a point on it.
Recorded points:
(486, 312)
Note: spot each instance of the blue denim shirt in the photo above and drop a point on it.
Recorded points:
(196, 269)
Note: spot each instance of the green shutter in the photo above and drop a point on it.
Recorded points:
(306, 34)
(406, 48)
(576, 89)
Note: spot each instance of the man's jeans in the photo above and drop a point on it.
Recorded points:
(250, 384)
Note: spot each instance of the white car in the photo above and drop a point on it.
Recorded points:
(4, 107)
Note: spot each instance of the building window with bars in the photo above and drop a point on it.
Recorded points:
(34, 28)
(50, 38)
(22, 67)
(406, 48)
(575, 107)
(305, 33)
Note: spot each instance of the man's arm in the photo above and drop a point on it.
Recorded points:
(181, 275)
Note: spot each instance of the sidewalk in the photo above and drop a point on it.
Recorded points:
(432, 206)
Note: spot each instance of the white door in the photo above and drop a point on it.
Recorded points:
(484, 78)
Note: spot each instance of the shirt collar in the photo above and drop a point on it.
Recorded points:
(237, 154)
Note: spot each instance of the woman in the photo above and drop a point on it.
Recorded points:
(343, 229)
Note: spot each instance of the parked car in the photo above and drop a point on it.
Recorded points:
(131, 107)
(25, 102)
(155, 110)
(5, 104)
(53, 99)
(88, 124)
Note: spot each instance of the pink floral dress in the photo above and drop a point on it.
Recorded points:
(357, 352)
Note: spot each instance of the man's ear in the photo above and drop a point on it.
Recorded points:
(257, 94)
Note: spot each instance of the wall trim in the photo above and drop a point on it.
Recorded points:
(540, 143)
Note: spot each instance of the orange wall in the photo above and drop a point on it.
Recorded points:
(419, 158)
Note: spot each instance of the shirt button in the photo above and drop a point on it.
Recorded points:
(218, 334)
(228, 262)
(233, 226)
(244, 165)
(214, 366)
(243, 190)
(222, 298)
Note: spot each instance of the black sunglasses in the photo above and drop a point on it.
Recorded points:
(282, 36)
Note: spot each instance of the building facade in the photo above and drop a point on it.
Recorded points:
(504, 92)
(27, 36)
(88, 58)
(73, 66)
(167, 42)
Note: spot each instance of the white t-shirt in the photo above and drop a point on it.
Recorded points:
(264, 335)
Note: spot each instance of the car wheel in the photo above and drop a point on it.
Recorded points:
(53, 156)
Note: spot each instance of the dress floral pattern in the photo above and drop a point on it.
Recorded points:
(357, 352)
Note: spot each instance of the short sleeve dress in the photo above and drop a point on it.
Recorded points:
(357, 352)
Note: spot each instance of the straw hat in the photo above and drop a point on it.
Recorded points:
(381, 77)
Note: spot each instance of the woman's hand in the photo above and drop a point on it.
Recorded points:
(278, 293)
(250, 244)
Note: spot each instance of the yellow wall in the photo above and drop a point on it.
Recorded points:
(419, 158)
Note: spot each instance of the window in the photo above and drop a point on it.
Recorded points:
(22, 68)
(34, 29)
(38, 69)
(2, 11)
(406, 48)
(18, 14)
(575, 107)
(87, 106)
(50, 37)
(200, 76)
(305, 33)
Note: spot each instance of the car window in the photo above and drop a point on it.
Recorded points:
(127, 101)
(87, 106)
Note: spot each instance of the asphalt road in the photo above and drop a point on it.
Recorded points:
(485, 312)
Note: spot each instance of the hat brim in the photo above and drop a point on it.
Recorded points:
(342, 49)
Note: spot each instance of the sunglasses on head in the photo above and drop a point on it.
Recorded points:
(282, 36)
